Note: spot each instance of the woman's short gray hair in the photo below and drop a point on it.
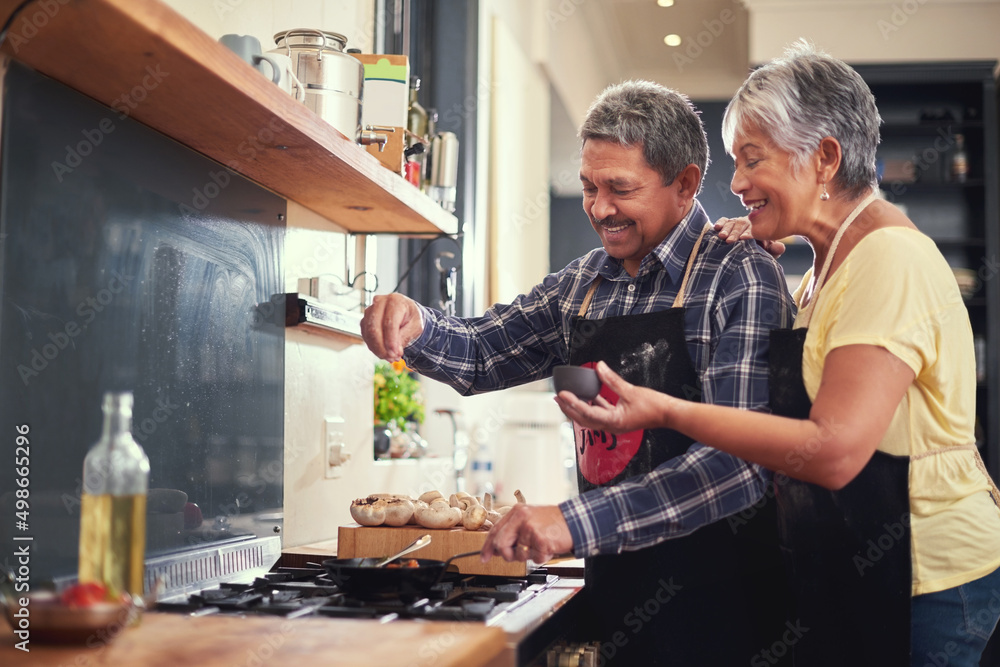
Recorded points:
(802, 97)
(662, 120)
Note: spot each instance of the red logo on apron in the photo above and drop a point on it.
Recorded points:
(603, 456)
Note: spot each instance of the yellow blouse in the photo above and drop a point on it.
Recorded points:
(896, 291)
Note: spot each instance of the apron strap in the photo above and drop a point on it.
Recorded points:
(994, 491)
(590, 296)
(805, 315)
(678, 300)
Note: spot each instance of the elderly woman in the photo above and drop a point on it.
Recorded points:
(888, 518)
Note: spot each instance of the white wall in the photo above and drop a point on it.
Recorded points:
(878, 30)
(264, 18)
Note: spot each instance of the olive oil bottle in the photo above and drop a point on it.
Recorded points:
(113, 507)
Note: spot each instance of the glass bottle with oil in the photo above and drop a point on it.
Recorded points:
(113, 507)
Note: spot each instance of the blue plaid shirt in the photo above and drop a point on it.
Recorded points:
(735, 295)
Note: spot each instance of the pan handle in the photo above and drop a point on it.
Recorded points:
(448, 562)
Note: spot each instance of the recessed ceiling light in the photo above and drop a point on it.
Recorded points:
(665, 3)
(672, 40)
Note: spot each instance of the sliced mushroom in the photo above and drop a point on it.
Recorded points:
(369, 511)
(398, 511)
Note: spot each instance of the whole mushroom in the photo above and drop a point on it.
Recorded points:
(369, 511)
(398, 511)
(438, 514)
(492, 516)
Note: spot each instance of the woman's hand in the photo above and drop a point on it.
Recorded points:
(732, 230)
(637, 408)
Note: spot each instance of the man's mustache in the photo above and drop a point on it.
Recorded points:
(611, 221)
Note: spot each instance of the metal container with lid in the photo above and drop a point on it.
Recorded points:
(332, 79)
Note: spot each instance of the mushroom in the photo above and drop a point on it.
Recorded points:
(462, 500)
(438, 514)
(506, 508)
(417, 504)
(398, 511)
(430, 496)
(474, 516)
(492, 516)
(369, 511)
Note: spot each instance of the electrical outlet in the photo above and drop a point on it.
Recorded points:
(334, 447)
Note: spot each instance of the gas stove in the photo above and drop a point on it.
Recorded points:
(300, 592)
(534, 611)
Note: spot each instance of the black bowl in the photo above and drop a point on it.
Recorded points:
(578, 380)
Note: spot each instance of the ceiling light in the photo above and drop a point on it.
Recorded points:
(672, 40)
(665, 3)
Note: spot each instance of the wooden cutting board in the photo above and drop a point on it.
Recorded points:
(356, 541)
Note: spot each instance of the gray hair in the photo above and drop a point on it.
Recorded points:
(802, 97)
(662, 120)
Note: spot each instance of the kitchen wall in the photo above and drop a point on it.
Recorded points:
(329, 376)
(878, 30)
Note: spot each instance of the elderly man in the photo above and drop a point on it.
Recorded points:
(669, 306)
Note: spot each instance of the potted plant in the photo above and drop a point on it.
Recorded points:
(399, 407)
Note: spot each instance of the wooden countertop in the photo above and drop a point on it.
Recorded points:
(146, 60)
(168, 640)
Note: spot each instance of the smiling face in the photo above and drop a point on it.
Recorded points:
(628, 205)
(781, 202)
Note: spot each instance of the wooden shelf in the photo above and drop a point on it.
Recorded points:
(179, 81)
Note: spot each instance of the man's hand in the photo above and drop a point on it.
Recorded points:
(529, 532)
(732, 230)
(390, 324)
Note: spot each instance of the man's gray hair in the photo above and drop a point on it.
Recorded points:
(661, 120)
(802, 97)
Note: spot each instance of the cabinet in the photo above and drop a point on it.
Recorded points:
(147, 62)
(924, 108)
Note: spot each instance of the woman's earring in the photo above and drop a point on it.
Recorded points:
(825, 196)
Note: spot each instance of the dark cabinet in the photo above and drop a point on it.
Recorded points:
(932, 113)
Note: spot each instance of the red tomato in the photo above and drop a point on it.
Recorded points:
(192, 516)
(84, 595)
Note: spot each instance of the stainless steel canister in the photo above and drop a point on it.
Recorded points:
(444, 170)
(333, 80)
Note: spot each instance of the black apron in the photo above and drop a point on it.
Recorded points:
(714, 598)
(848, 551)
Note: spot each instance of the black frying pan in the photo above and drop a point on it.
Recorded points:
(359, 578)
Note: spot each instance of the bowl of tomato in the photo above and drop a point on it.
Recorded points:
(81, 614)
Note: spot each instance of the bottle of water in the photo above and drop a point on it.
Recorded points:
(482, 468)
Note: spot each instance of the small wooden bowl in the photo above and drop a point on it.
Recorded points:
(51, 622)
